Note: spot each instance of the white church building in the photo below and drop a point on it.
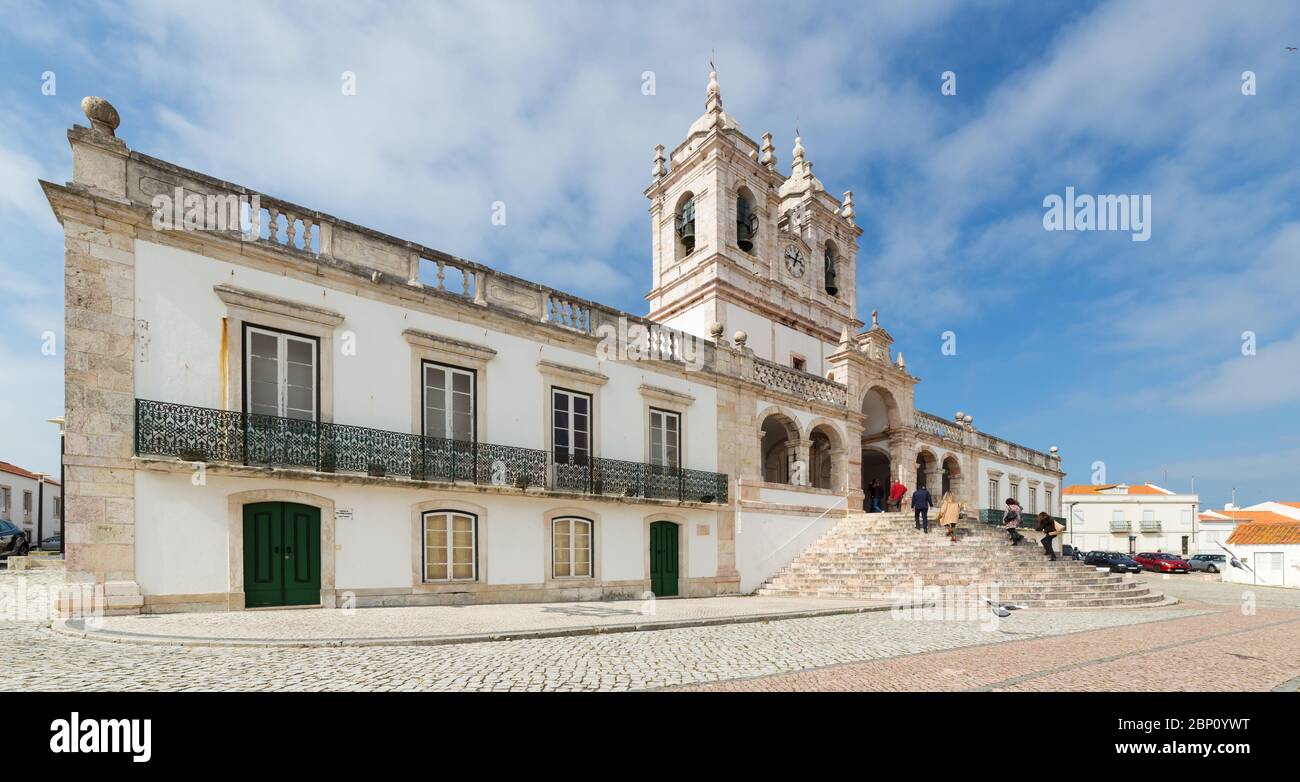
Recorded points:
(285, 408)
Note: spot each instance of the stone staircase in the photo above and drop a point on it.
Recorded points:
(870, 555)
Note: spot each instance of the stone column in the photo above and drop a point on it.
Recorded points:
(801, 451)
(99, 382)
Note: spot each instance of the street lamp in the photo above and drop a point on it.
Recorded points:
(63, 494)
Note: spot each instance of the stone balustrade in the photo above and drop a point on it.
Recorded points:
(330, 241)
(799, 383)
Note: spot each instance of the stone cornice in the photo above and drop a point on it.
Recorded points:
(262, 302)
(666, 396)
(431, 341)
(572, 374)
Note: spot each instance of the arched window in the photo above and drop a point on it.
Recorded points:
(450, 546)
(571, 547)
(685, 220)
(830, 259)
(746, 221)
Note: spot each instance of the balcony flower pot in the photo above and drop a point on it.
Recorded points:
(706, 498)
(377, 471)
(192, 455)
(630, 491)
(521, 482)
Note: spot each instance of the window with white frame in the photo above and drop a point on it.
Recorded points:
(995, 490)
(1015, 492)
(571, 546)
(448, 402)
(1148, 516)
(1033, 499)
(450, 546)
(58, 508)
(1117, 515)
(665, 438)
(5, 499)
(1047, 500)
(571, 427)
(27, 506)
(280, 373)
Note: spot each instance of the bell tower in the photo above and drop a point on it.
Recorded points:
(737, 243)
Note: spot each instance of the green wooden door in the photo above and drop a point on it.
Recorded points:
(281, 554)
(663, 558)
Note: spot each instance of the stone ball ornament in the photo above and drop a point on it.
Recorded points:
(740, 337)
(103, 117)
(715, 330)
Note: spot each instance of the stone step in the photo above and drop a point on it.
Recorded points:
(873, 556)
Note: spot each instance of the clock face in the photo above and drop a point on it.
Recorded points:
(794, 260)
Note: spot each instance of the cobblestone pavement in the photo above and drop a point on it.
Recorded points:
(432, 624)
(1220, 649)
(35, 658)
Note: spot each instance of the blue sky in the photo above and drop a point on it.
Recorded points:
(1123, 352)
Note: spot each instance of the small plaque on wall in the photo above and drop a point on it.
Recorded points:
(343, 514)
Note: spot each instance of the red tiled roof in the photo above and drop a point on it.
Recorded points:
(1266, 533)
(1088, 488)
(14, 469)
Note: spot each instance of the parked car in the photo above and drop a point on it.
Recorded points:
(52, 543)
(1117, 562)
(1209, 563)
(1160, 562)
(13, 541)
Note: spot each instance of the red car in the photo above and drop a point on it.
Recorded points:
(1160, 562)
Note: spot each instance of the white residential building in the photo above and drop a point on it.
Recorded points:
(287, 408)
(1131, 519)
(32, 501)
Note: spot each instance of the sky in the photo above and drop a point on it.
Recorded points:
(1131, 355)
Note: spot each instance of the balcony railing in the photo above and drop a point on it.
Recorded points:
(1027, 519)
(1150, 525)
(1120, 525)
(799, 382)
(202, 434)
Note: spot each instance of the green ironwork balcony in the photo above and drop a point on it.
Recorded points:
(201, 434)
(1027, 519)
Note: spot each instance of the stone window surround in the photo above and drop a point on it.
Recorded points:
(569, 378)
(458, 505)
(235, 503)
(672, 402)
(683, 550)
(550, 580)
(427, 346)
(246, 307)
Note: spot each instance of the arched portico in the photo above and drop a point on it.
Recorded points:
(780, 447)
(826, 456)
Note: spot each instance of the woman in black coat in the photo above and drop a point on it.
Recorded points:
(1047, 525)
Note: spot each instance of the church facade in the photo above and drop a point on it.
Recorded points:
(269, 405)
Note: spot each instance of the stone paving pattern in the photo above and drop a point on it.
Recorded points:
(1205, 643)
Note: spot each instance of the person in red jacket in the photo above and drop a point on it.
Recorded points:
(896, 493)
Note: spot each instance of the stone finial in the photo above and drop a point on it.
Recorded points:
(715, 330)
(103, 117)
(901, 363)
(658, 170)
(713, 95)
(1054, 450)
(797, 162)
(846, 341)
(967, 419)
(740, 337)
(875, 319)
(846, 209)
(959, 416)
(768, 158)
